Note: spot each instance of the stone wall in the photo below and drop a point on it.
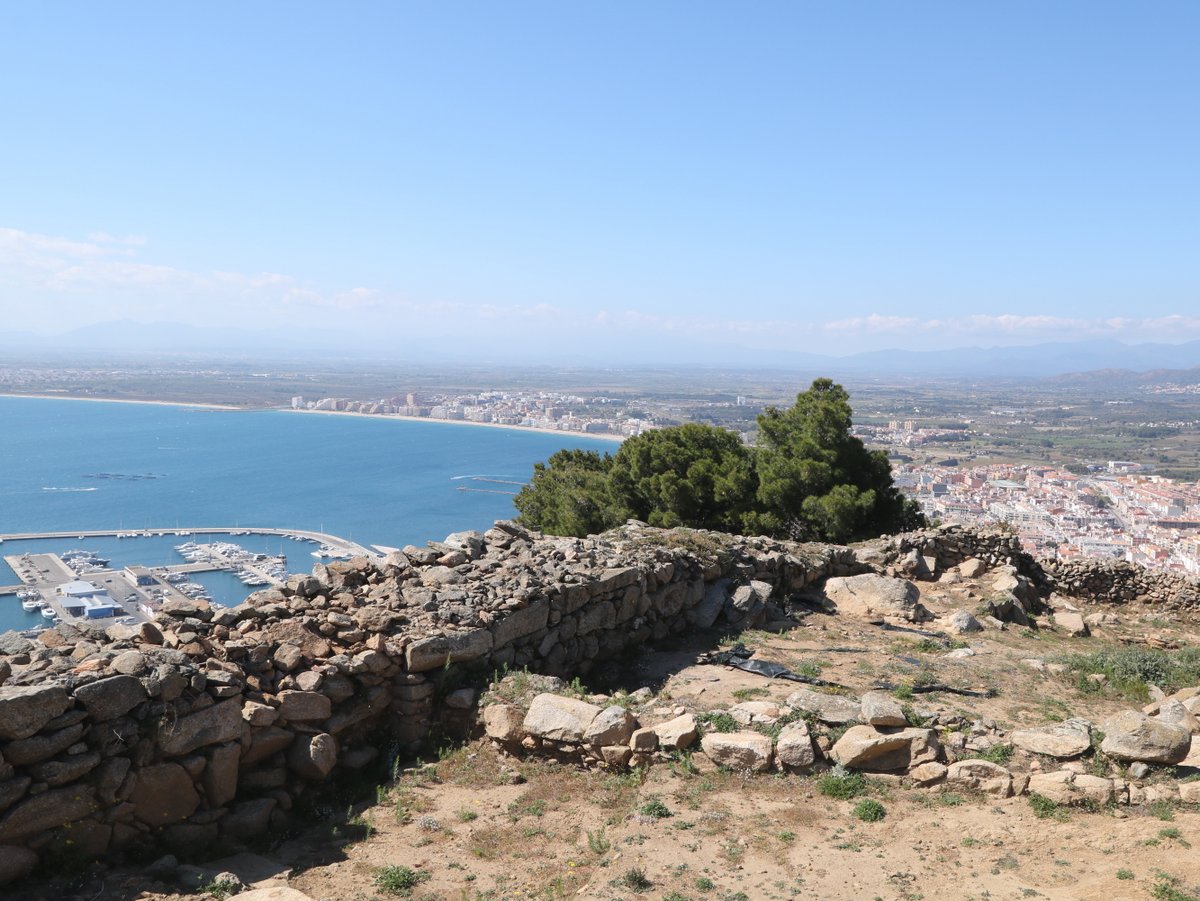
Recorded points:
(1093, 580)
(207, 729)
(1119, 582)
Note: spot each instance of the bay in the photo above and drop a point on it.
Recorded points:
(80, 465)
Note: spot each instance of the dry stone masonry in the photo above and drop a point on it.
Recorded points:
(211, 726)
(206, 729)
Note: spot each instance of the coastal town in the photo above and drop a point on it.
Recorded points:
(544, 410)
(1112, 511)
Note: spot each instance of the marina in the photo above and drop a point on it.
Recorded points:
(82, 584)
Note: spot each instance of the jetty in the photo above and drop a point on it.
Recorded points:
(333, 541)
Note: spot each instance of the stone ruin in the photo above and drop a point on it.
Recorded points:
(211, 727)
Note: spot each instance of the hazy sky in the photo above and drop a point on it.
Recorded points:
(716, 178)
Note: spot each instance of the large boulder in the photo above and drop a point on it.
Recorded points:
(110, 698)
(794, 747)
(676, 734)
(56, 807)
(612, 726)
(163, 794)
(868, 748)
(313, 757)
(504, 723)
(436, 651)
(738, 750)
(881, 709)
(981, 776)
(25, 709)
(1064, 740)
(870, 596)
(1131, 735)
(559, 718)
(211, 726)
(747, 606)
(836, 710)
(304, 706)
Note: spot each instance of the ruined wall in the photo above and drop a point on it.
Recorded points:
(1119, 582)
(207, 729)
(1096, 581)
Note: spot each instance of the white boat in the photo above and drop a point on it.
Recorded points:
(29, 605)
(48, 612)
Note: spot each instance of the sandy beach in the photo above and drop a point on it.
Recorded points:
(602, 436)
(117, 400)
(485, 425)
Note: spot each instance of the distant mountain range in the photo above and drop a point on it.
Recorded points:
(130, 340)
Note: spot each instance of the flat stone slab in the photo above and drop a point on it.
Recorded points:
(1062, 740)
(836, 710)
(559, 718)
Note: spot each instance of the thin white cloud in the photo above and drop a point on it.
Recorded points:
(128, 240)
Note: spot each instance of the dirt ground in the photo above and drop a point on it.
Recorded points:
(478, 824)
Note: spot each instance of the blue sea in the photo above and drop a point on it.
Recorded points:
(67, 465)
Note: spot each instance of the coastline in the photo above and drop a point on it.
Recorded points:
(603, 436)
(118, 400)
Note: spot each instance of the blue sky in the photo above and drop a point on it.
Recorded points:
(611, 178)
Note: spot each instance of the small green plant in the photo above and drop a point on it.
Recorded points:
(1046, 809)
(220, 889)
(949, 799)
(841, 783)
(682, 765)
(704, 884)
(1174, 835)
(1124, 874)
(869, 810)
(998, 754)
(1167, 889)
(1161, 809)
(716, 721)
(636, 880)
(598, 842)
(466, 815)
(655, 808)
(903, 692)
(810, 668)
(787, 836)
(747, 694)
(970, 842)
(399, 880)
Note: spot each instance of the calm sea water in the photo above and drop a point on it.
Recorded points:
(67, 465)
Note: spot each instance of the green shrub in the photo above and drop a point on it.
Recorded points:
(399, 880)
(1129, 670)
(869, 810)
(841, 783)
(655, 808)
(716, 721)
(998, 754)
(636, 880)
(1044, 808)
